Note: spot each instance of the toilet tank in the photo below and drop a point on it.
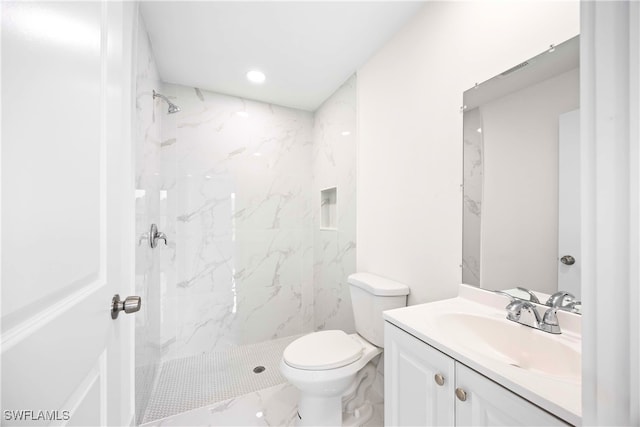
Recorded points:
(370, 296)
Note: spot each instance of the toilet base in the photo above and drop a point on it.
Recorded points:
(319, 411)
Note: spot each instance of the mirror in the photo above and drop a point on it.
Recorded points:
(521, 223)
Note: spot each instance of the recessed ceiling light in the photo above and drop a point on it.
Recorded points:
(346, 133)
(242, 113)
(256, 76)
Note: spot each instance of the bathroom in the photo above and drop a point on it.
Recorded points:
(365, 178)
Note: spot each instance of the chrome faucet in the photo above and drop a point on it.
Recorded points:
(548, 322)
(565, 301)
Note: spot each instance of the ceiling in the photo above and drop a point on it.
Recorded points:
(306, 49)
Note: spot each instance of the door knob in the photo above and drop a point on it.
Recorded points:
(568, 260)
(129, 305)
(439, 379)
(461, 394)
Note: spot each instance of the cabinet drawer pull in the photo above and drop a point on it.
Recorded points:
(461, 394)
(439, 379)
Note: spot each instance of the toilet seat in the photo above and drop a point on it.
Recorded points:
(323, 350)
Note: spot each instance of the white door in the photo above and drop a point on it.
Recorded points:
(569, 203)
(67, 213)
(413, 395)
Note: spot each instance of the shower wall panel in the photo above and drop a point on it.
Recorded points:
(237, 198)
(148, 129)
(334, 165)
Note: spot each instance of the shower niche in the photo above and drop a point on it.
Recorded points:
(328, 209)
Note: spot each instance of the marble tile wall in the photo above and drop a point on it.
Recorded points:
(148, 130)
(473, 171)
(237, 209)
(334, 165)
(240, 202)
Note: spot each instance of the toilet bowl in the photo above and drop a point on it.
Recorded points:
(323, 376)
(324, 365)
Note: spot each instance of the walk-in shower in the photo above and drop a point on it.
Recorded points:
(173, 108)
(248, 266)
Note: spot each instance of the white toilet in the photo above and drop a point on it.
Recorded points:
(327, 365)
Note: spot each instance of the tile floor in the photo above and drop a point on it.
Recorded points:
(273, 406)
(200, 381)
(221, 389)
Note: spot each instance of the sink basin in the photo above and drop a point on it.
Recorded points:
(514, 344)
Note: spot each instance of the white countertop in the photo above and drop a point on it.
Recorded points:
(560, 396)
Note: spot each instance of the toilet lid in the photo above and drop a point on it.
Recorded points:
(322, 350)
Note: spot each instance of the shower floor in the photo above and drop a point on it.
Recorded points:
(197, 381)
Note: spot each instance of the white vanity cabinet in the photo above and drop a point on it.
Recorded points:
(460, 396)
(411, 395)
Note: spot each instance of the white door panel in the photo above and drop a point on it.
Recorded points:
(51, 141)
(67, 212)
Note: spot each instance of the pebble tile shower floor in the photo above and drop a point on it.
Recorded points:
(193, 382)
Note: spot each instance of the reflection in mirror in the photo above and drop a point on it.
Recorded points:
(521, 177)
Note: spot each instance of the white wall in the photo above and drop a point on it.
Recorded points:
(410, 130)
(520, 192)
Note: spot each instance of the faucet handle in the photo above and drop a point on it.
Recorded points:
(511, 297)
(162, 236)
(551, 316)
(155, 235)
(532, 296)
(514, 309)
(550, 321)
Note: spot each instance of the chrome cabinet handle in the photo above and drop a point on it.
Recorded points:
(461, 394)
(155, 235)
(568, 260)
(129, 305)
(439, 379)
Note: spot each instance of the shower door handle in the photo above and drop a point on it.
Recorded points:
(129, 305)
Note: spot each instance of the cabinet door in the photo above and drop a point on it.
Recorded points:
(412, 396)
(489, 404)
